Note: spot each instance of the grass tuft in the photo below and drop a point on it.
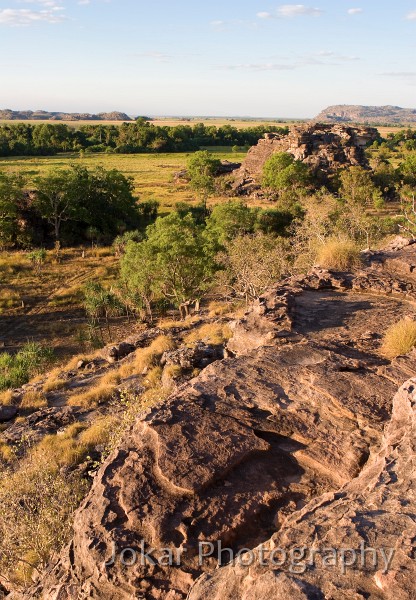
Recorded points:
(339, 254)
(211, 333)
(33, 400)
(399, 338)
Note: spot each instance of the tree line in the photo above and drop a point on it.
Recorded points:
(70, 206)
(25, 139)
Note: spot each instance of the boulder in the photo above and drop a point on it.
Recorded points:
(7, 413)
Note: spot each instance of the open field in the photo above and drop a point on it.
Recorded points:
(153, 174)
(240, 123)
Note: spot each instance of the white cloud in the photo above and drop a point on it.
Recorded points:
(290, 10)
(47, 4)
(411, 16)
(84, 2)
(158, 56)
(259, 67)
(295, 10)
(355, 11)
(24, 16)
(217, 23)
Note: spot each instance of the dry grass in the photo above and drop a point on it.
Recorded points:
(399, 338)
(6, 452)
(339, 254)
(54, 382)
(145, 358)
(98, 433)
(153, 377)
(210, 333)
(172, 323)
(33, 400)
(72, 364)
(6, 398)
(102, 391)
(218, 308)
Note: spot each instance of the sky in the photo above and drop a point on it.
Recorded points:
(256, 58)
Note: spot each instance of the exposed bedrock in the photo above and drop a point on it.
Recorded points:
(324, 148)
(279, 444)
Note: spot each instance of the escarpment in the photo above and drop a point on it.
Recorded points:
(292, 440)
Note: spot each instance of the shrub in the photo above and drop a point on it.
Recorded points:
(338, 254)
(15, 370)
(399, 338)
(36, 506)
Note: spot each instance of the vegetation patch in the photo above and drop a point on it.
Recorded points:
(339, 254)
(399, 338)
(17, 369)
(211, 333)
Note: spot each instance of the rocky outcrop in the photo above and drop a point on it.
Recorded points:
(369, 524)
(346, 113)
(279, 444)
(324, 148)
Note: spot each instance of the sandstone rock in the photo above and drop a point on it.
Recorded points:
(258, 440)
(7, 413)
(374, 511)
(324, 148)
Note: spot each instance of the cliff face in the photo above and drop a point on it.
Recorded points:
(345, 113)
(324, 148)
(291, 441)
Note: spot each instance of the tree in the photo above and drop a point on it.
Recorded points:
(100, 303)
(11, 192)
(408, 169)
(201, 169)
(357, 192)
(138, 275)
(229, 220)
(174, 263)
(251, 263)
(58, 198)
(183, 263)
(282, 172)
(358, 189)
(97, 198)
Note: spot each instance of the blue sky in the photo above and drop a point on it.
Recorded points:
(229, 57)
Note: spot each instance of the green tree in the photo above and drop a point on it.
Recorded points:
(358, 189)
(138, 276)
(201, 169)
(58, 198)
(174, 263)
(228, 220)
(281, 172)
(11, 193)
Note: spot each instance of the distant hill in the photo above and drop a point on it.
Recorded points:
(376, 115)
(44, 115)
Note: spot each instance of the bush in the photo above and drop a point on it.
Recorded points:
(399, 338)
(15, 370)
(338, 254)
